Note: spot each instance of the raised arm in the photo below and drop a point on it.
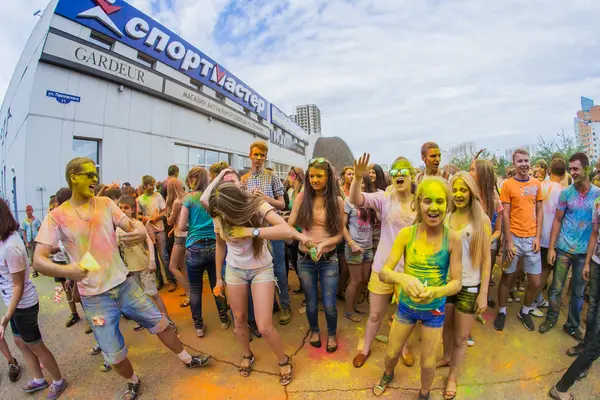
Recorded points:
(204, 199)
(360, 168)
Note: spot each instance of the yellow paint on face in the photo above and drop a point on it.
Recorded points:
(461, 193)
(433, 203)
(317, 178)
(401, 183)
(81, 182)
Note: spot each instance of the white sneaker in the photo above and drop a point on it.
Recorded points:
(470, 342)
(543, 304)
(200, 332)
(535, 311)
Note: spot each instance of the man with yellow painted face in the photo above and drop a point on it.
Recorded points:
(86, 226)
(432, 157)
(571, 232)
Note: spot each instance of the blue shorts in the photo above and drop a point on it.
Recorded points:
(429, 318)
(103, 313)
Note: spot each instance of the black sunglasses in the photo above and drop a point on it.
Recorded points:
(90, 175)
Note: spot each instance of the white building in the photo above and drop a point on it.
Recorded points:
(462, 150)
(508, 153)
(308, 117)
(104, 80)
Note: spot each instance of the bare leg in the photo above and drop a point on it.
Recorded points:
(124, 368)
(47, 358)
(69, 294)
(6, 351)
(430, 340)
(378, 306)
(31, 359)
(177, 265)
(449, 335)
(238, 300)
(171, 340)
(504, 287)
(160, 304)
(355, 282)
(398, 337)
(462, 327)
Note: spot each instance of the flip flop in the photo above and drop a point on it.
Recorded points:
(449, 394)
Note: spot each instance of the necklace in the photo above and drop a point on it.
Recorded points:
(91, 203)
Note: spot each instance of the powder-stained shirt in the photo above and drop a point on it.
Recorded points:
(550, 194)
(393, 219)
(266, 181)
(136, 258)
(359, 226)
(576, 227)
(13, 259)
(596, 220)
(522, 197)
(200, 224)
(93, 232)
(31, 228)
(151, 206)
(240, 252)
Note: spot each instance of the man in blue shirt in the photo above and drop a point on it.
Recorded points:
(30, 226)
(571, 231)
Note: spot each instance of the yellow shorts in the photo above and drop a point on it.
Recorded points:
(378, 287)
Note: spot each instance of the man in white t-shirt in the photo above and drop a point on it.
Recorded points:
(550, 194)
(86, 224)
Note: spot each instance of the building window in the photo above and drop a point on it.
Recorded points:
(101, 40)
(145, 60)
(220, 97)
(187, 157)
(89, 148)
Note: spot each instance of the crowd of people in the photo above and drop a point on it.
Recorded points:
(426, 240)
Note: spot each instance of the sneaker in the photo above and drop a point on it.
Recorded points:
(72, 320)
(499, 322)
(513, 296)
(225, 324)
(470, 342)
(254, 329)
(138, 328)
(491, 302)
(105, 367)
(133, 391)
(200, 332)
(172, 287)
(199, 361)
(14, 371)
(285, 317)
(521, 288)
(94, 351)
(583, 374)
(576, 350)
(536, 312)
(527, 321)
(35, 274)
(574, 333)
(298, 291)
(303, 302)
(543, 304)
(546, 326)
(510, 300)
(57, 389)
(33, 387)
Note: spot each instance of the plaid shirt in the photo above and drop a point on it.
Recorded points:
(266, 181)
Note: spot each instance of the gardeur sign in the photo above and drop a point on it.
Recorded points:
(127, 24)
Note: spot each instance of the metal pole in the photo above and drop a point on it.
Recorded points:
(15, 198)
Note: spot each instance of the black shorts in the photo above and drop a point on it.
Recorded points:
(58, 279)
(465, 301)
(24, 324)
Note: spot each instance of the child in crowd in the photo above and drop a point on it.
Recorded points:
(31, 226)
(140, 262)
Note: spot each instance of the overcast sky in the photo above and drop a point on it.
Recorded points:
(391, 74)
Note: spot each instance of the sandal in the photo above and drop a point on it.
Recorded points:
(443, 364)
(450, 394)
(359, 360)
(423, 396)
(380, 387)
(555, 394)
(354, 317)
(185, 303)
(286, 379)
(246, 371)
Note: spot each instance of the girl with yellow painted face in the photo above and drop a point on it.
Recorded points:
(470, 221)
(432, 270)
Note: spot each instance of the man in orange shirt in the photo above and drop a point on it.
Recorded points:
(521, 197)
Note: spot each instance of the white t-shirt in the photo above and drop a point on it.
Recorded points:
(151, 206)
(95, 234)
(13, 259)
(550, 195)
(136, 258)
(470, 276)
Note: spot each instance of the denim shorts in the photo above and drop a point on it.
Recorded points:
(103, 313)
(465, 301)
(359, 258)
(239, 276)
(429, 318)
(24, 324)
(532, 262)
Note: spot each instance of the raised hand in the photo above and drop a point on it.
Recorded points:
(361, 165)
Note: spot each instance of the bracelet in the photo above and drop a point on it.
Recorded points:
(350, 242)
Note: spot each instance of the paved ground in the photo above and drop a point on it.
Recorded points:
(514, 364)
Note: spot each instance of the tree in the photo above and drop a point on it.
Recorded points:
(566, 145)
(464, 163)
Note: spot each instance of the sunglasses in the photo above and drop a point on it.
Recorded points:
(403, 172)
(90, 175)
(319, 160)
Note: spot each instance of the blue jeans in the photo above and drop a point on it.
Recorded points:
(198, 259)
(565, 261)
(279, 267)
(311, 273)
(103, 312)
(592, 326)
(163, 254)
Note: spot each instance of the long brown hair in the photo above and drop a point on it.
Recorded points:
(486, 181)
(174, 191)
(197, 179)
(299, 177)
(332, 194)
(8, 224)
(236, 207)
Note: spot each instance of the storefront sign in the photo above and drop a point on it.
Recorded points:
(89, 57)
(128, 25)
(62, 97)
(221, 111)
(286, 141)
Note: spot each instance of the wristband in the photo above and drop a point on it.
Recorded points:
(350, 242)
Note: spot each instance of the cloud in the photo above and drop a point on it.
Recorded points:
(391, 74)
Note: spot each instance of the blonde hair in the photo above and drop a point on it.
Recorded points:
(74, 167)
(199, 177)
(174, 191)
(486, 178)
(236, 207)
(430, 180)
(476, 218)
